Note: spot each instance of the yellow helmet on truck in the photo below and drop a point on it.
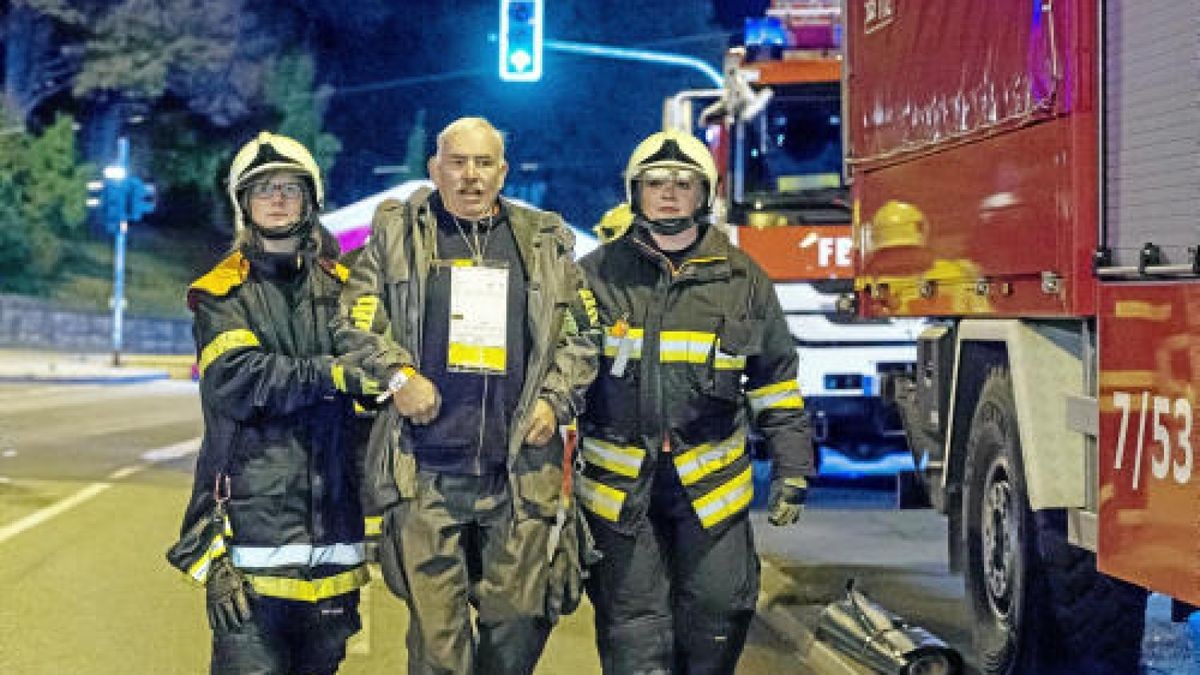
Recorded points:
(896, 224)
(614, 223)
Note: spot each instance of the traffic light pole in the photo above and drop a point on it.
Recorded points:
(118, 299)
(118, 290)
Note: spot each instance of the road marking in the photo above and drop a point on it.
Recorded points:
(63, 505)
(170, 452)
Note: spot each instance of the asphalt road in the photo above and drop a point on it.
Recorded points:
(898, 558)
(93, 480)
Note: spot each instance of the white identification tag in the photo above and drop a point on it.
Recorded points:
(478, 319)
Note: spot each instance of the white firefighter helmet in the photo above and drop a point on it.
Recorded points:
(672, 149)
(269, 152)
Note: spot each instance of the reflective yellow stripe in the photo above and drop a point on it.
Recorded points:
(311, 590)
(589, 306)
(778, 396)
(613, 340)
(230, 339)
(373, 526)
(695, 347)
(728, 362)
(625, 460)
(363, 312)
(339, 376)
(601, 499)
(703, 460)
(685, 346)
(199, 570)
(216, 548)
(726, 500)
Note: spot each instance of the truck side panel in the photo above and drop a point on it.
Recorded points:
(977, 122)
(989, 211)
(926, 74)
(1149, 351)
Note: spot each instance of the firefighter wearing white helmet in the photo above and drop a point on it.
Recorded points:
(696, 349)
(677, 158)
(274, 529)
(267, 155)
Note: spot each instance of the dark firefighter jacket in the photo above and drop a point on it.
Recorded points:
(385, 299)
(705, 346)
(274, 423)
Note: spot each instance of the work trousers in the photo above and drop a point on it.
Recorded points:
(288, 637)
(462, 546)
(672, 598)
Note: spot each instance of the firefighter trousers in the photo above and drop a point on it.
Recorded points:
(672, 597)
(461, 547)
(287, 636)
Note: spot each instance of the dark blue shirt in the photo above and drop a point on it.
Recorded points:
(470, 434)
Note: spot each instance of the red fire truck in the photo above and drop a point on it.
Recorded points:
(776, 134)
(1027, 174)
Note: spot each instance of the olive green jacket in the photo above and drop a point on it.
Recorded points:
(383, 309)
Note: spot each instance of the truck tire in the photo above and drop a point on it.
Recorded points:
(1039, 605)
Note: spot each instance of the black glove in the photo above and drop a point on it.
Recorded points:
(229, 595)
(352, 380)
(787, 499)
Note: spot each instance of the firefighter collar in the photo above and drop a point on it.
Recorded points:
(709, 258)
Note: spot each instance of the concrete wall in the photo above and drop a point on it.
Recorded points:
(35, 322)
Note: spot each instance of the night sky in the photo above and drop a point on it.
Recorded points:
(568, 135)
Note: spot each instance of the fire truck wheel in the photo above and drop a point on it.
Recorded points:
(1039, 604)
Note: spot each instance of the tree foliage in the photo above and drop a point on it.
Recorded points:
(42, 200)
(301, 107)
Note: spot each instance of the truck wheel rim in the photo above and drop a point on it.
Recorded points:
(998, 536)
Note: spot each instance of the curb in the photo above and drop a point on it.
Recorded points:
(85, 379)
(44, 366)
(791, 619)
(771, 610)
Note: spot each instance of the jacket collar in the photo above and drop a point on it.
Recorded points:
(709, 259)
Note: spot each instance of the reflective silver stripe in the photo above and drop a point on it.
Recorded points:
(726, 500)
(779, 395)
(622, 459)
(199, 570)
(725, 361)
(601, 499)
(685, 346)
(703, 460)
(266, 557)
(612, 344)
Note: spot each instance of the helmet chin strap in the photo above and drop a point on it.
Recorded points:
(296, 229)
(664, 226)
(668, 226)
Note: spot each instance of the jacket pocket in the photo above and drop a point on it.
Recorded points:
(539, 478)
(735, 343)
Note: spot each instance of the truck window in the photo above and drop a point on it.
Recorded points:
(795, 146)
